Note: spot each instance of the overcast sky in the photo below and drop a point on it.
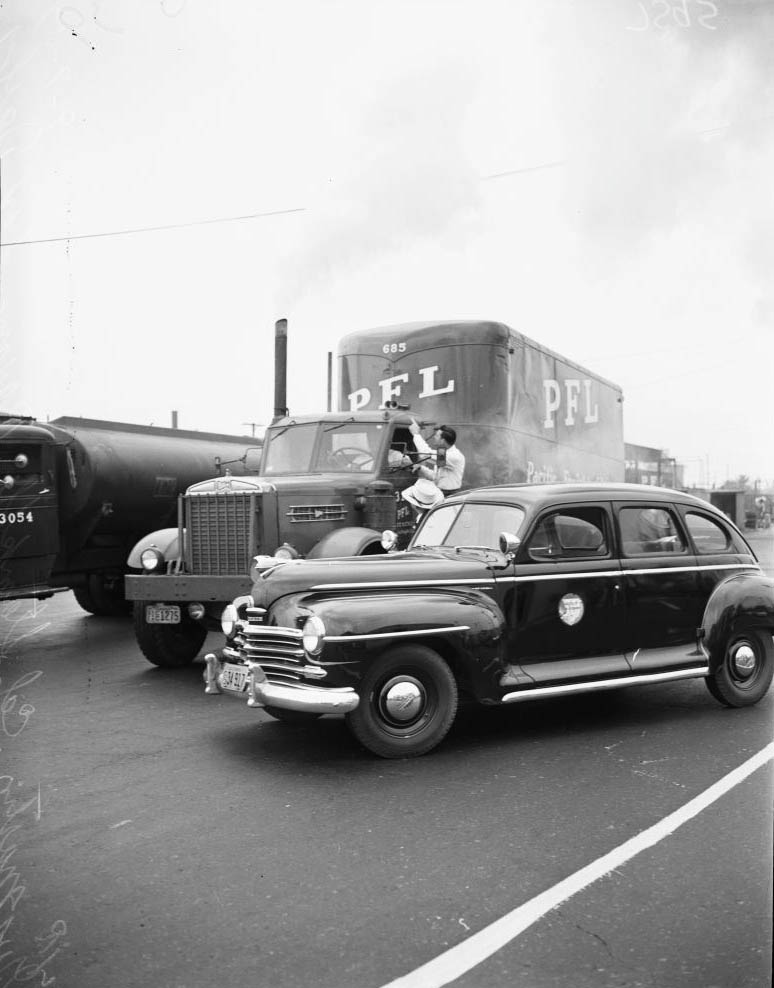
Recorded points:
(178, 174)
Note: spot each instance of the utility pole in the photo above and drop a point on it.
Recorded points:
(253, 426)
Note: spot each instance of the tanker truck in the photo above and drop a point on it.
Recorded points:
(76, 494)
(330, 484)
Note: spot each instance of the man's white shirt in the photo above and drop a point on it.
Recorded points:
(447, 476)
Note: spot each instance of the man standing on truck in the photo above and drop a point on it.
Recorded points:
(447, 471)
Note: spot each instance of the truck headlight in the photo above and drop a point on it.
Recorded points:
(152, 560)
(389, 539)
(285, 552)
(313, 635)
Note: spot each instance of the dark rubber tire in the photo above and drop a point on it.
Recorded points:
(103, 596)
(170, 646)
(408, 701)
(743, 675)
(291, 716)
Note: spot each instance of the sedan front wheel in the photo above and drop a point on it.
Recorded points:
(408, 701)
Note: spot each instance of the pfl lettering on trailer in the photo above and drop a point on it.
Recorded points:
(390, 389)
(568, 400)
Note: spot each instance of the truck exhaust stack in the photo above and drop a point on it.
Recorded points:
(280, 368)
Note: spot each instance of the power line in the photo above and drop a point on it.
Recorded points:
(522, 171)
(153, 229)
(713, 131)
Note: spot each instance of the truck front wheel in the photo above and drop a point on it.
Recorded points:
(745, 671)
(408, 700)
(168, 645)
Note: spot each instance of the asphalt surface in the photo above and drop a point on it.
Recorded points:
(156, 836)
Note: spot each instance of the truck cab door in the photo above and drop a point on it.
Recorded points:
(564, 608)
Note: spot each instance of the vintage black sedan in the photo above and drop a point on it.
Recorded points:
(505, 594)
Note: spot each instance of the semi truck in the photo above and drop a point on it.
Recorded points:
(330, 484)
(77, 493)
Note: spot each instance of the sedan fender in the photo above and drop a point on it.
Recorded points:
(465, 627)
(743, 602)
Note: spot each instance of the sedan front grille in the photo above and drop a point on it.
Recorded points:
(219, 532)
(279, 651)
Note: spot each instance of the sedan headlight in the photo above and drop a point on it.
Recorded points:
(313, 635)
(152, 560)
(228, 620)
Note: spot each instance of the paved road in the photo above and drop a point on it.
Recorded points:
(164, 838)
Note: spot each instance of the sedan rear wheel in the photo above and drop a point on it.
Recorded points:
(745, 672)
(408, 700)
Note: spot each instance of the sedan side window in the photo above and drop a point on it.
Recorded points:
(569, 534)
(707, 535)
(645, 530)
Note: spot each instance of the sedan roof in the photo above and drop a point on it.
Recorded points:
(537, 495)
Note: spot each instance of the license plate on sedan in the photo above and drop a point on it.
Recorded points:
(233, 678)
(163, 615)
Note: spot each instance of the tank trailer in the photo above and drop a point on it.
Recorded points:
(76, 494)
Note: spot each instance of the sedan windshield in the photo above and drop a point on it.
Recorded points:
(468, 525)
(323, 447)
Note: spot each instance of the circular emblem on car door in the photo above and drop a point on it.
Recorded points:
(571, 608)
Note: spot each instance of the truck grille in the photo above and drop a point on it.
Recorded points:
(219, 532)
(278, 650)
(317, 512)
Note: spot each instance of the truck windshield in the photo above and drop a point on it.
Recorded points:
(468, 524)
(351, 447)
(314, 447)
(289, 450)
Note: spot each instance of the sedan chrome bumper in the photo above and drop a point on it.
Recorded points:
(261, 693)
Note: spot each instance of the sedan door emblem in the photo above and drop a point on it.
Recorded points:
(571, 608)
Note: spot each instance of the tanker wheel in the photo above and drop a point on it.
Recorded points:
(103, 596)
(168, 645)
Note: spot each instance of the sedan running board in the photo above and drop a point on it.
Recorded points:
(568, 689)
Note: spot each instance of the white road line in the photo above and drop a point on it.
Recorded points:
(456, 961)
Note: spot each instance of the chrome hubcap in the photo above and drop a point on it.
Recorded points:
(743, 660)
(402, 700)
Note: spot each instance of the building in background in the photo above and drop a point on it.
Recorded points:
(648, 465)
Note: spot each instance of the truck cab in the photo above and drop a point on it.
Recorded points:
(327, 486)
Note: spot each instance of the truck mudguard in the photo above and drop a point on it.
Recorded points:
(165, 540)
(347, 542)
